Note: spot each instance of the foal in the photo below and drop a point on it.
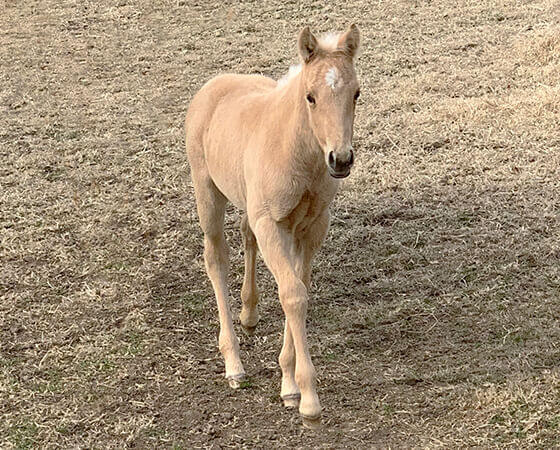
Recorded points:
(277, 151)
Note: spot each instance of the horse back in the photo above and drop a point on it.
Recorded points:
(216, 129)
(223, 89)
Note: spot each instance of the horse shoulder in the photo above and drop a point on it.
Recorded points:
(292, 199)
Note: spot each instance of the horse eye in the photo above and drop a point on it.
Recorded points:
(356, 95)
(310, 99)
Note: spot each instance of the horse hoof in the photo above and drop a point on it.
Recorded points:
(291, 400)
(235, 381)
(312, 423)
(249, 331)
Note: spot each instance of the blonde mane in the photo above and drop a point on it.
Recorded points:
(329, 41)
(292, 73)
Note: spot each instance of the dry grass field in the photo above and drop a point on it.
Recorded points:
(435, 316)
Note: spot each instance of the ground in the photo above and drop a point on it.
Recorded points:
(436, 299)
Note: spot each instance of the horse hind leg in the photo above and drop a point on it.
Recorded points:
(249, 315)
(211, 209)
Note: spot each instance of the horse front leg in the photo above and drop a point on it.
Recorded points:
(308, 243)
(279, 250)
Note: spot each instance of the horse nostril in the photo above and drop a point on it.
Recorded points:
(351, 159)
(332, 160)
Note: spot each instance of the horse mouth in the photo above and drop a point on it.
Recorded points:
(339, 175)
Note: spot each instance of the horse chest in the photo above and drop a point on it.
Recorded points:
(305, 212)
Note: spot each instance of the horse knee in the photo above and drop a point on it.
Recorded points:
(293, 297)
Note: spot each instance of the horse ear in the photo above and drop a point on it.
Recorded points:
(307, 45)
(350, 41)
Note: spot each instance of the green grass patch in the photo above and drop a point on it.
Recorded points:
(23, 435)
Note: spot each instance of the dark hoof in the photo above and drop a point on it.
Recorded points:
(249, 331)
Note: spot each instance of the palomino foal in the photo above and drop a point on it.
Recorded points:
(276, 151)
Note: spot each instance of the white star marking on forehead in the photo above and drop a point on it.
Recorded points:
(331, 78)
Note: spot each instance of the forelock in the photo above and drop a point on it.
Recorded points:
(329, 41)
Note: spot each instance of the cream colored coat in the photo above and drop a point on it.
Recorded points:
(276, 151)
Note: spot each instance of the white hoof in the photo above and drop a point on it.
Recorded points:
(313, 423)
(291, 400)
(235, 381)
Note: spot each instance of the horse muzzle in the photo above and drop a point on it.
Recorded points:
(339, 164)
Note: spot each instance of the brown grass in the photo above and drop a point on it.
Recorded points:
(435, 317)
